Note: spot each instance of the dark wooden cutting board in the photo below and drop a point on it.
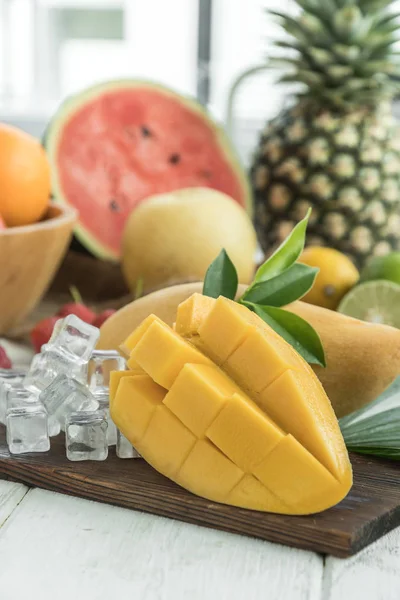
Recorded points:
(371, 509)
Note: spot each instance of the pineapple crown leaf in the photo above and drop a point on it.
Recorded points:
(341, 51)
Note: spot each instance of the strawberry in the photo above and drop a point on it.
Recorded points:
(5, 362)
(102, 317)
(42, 331)
(77, 308)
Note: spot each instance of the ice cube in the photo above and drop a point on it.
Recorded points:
(27, 429)
(68, 352)
(86, 436)
(74, 338)
(124, 447)
(18, 397)
(65, 396)
(5, 385)
(46, 366)
(10, 374)
(101, 364)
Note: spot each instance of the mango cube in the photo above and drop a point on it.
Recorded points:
(137, 334)
(133, 406)
(162, 353)
(259, 360)
(300, 412)
(115, 378)
(244, 422)
(213, 470)
(251, 493)
(222, 317)
(295, 476)
(198, 394)
(167, 433)
(244, 433)
(191, 314)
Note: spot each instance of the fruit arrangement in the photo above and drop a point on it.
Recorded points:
(337, 149)
(136, 139)
(159, 190)
(208, 416)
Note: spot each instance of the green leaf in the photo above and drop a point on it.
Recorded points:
(389, 453)
(287, 253)
(375, 428)
(221, 278)
(297, 332)
(284, 288)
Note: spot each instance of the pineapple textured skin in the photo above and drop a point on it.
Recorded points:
(345, 166)
(337, 150)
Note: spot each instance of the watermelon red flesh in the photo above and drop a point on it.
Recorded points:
(125, 145)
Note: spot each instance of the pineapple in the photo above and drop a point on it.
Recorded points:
(337, 149)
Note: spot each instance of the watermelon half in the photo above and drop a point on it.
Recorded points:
(115, 144)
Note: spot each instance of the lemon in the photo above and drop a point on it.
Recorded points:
(382, 267)
(375, 302)
(337, 275)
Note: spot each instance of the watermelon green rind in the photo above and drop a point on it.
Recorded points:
(76, 102)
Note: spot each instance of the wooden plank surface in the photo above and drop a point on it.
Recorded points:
(373, 574)
(68, 548)
(11, 495)
(371, 509)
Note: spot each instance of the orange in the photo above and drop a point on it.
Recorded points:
(24, 177)
(337, 275)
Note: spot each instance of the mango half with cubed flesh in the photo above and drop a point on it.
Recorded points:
(224, 407)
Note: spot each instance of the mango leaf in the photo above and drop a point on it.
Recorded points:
(283, 289)
(221, 278)
(287, 253)
(297, 332)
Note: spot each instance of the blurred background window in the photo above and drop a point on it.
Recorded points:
(50, 49)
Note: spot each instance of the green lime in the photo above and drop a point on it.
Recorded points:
(382, 267)
(374, 301)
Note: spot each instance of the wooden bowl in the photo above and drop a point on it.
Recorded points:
(29, 259)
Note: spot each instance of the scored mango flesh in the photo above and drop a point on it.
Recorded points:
(224, 407)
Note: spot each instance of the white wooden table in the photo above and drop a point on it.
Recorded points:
(55, 547)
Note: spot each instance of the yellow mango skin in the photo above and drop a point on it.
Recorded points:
(362, 358)
(203, 431)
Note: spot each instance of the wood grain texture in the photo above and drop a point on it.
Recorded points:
(74, 549)
(371, 509)
(29, 258)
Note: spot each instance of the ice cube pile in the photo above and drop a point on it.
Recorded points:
(65, 389)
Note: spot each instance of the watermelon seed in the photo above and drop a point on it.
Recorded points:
(174, 159)
(145, 131)
(114, 206)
